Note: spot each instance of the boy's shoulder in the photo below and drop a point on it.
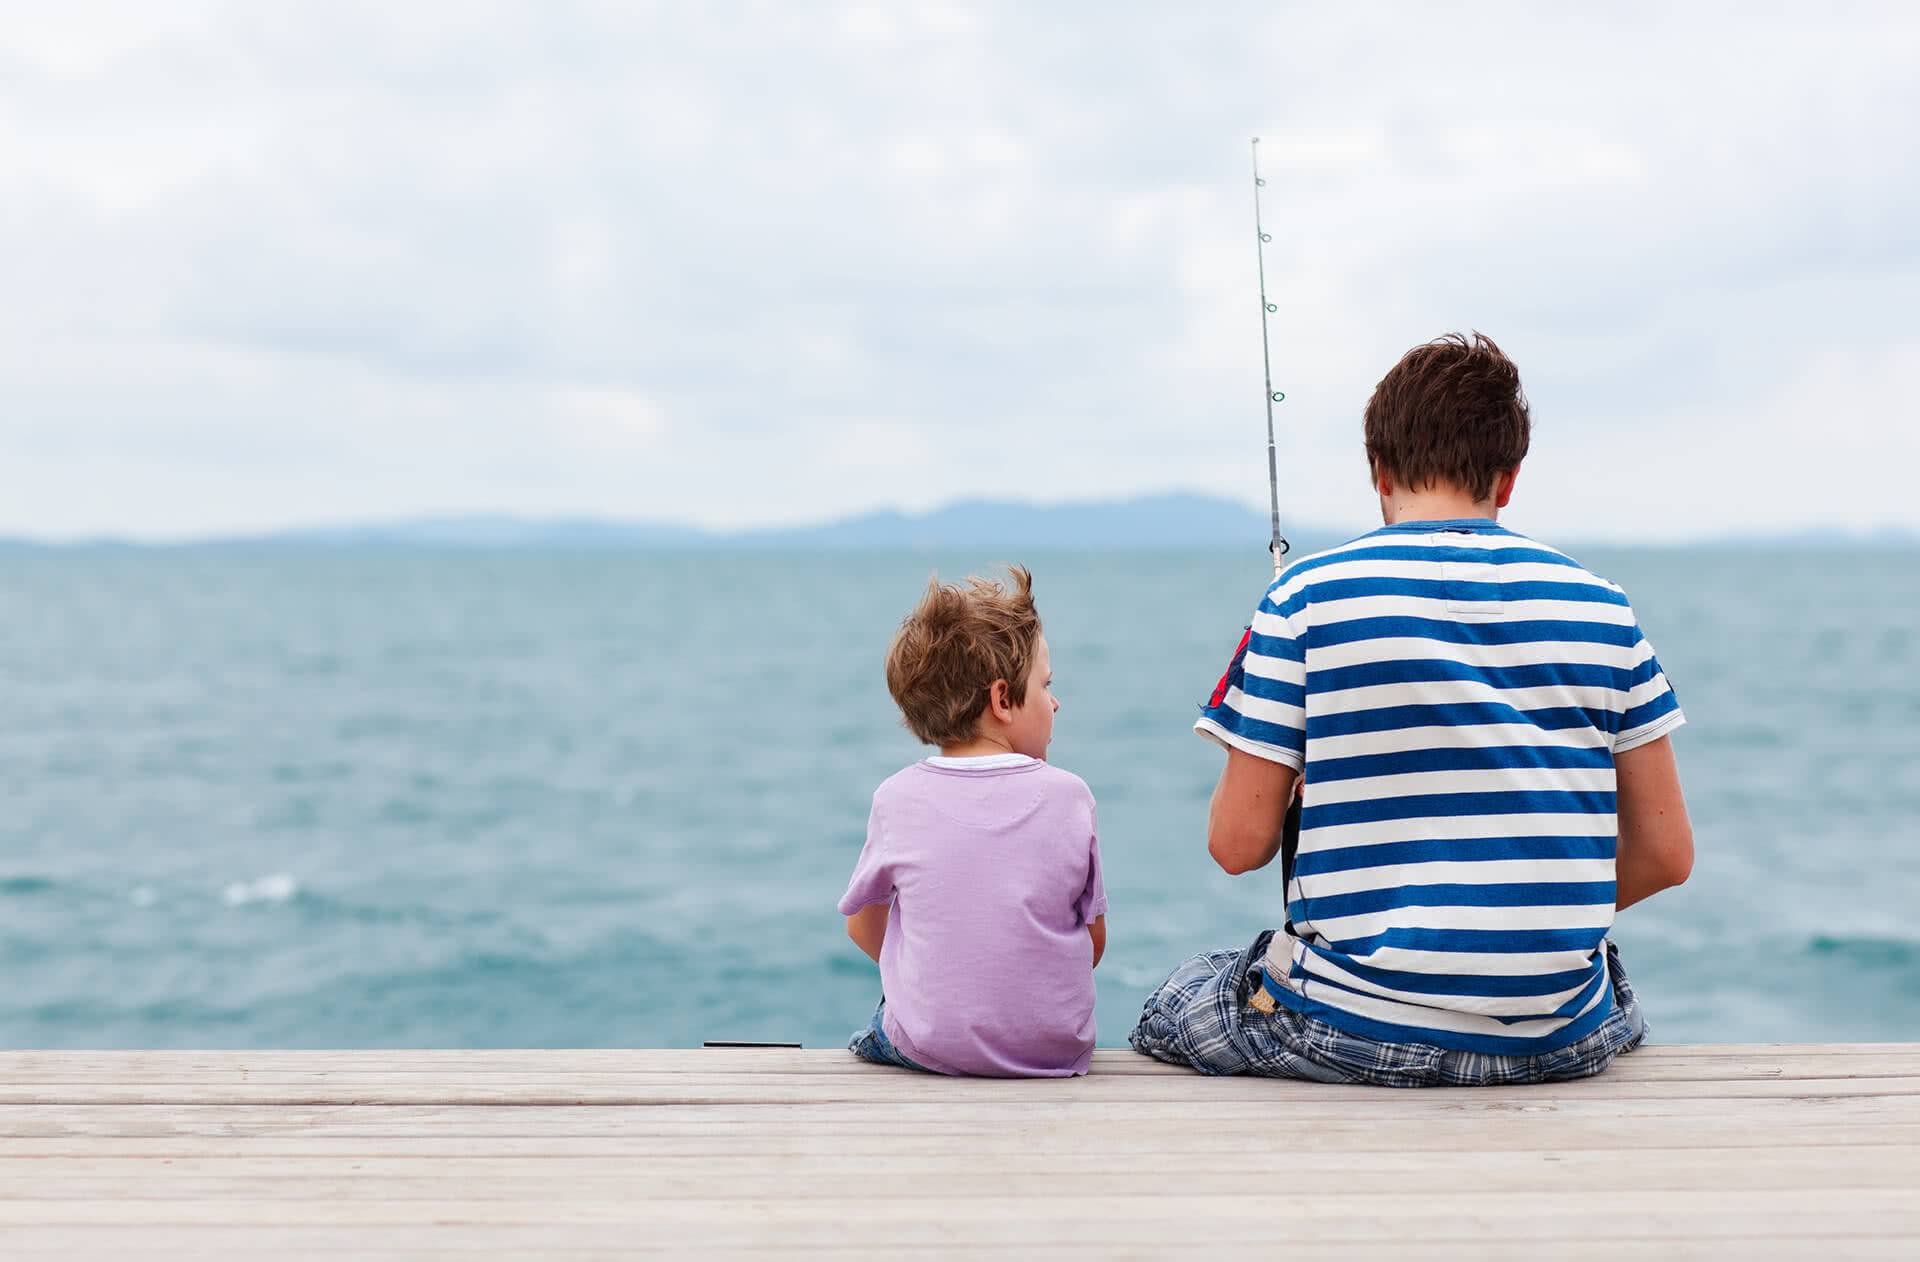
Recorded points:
(901, 781)
(1064, 782)
(1376, 553)
(916, 778)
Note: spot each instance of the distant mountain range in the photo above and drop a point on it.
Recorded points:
(1156, 521)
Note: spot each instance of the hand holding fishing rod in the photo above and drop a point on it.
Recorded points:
(1279, 546)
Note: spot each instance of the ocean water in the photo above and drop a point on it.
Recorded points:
(340, 799)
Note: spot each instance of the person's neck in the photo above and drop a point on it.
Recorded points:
(1435, 504)
(976, 747)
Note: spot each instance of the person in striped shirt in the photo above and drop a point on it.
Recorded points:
(1458, 741)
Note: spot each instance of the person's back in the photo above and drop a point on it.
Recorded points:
(1458, 694)
(979, 891)
(992, 869)
(1477, 732)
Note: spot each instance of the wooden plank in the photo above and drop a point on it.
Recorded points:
(620, 1240)
(1173, 1215)
(1280, 1108)
(888, 1089)
(1401, 1112)
(1658, 1163)
(876, 1176)
(1616, 1141)
(1416, 1205)
(17, 1066)
(839, 1075)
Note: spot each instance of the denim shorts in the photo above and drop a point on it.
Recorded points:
(872, 1044)
(1199, 1017)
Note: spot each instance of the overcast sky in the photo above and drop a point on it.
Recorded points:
(270, 264)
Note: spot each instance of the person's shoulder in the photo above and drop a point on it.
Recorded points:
(1058, 777)
(1293, 587)
(1524, 547)
(1059, 781)
(899, 783)
(1302, 566)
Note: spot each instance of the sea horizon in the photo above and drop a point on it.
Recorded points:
(1176, 520)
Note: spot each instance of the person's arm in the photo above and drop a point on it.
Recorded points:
(870, 892)
(1656, 840)
(1249, 811)
(868, 928)
(1098, 932)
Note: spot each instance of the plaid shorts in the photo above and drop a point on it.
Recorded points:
(1199, 1018)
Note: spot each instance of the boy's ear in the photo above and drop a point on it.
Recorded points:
(1503, 489)
(997, 700)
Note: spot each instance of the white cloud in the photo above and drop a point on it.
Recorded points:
(690, 262)
(615, 419)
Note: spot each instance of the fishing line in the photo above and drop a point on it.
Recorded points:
(1279, 545)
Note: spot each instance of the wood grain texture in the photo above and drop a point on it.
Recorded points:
(1719, 1151)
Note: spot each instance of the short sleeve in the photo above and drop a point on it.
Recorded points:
(1651, 710)
(1259, 705)
(872, 880)
(1093, 899)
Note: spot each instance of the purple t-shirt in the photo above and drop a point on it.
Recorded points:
(994, 875)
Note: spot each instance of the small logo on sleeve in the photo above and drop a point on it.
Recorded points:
(1233, 668)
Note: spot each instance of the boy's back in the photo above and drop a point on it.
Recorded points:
(1455, 696)
(1476, 730)
(978, 891)
(993, 870)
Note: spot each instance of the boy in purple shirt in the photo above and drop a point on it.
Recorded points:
(979, 890)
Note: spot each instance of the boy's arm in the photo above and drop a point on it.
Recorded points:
(1097, 930)
(1656, 839)
(1249, 812)
(868, 928)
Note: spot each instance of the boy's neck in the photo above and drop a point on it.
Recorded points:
(978, 747)
(1434, 504)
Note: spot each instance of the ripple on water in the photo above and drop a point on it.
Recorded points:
(1867, 950)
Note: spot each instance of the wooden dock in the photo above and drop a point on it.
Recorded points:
(1714, 1151)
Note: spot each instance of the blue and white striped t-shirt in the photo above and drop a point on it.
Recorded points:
(1454, 695)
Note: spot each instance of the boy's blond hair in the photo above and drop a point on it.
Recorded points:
(951, 648)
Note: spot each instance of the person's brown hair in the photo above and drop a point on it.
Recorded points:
(951, 648)
(1449, 412)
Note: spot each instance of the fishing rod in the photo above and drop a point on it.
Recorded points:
(1279, 545)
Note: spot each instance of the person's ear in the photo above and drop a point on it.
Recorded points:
(1503, 489)
(1383, 491)
(997, 700)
